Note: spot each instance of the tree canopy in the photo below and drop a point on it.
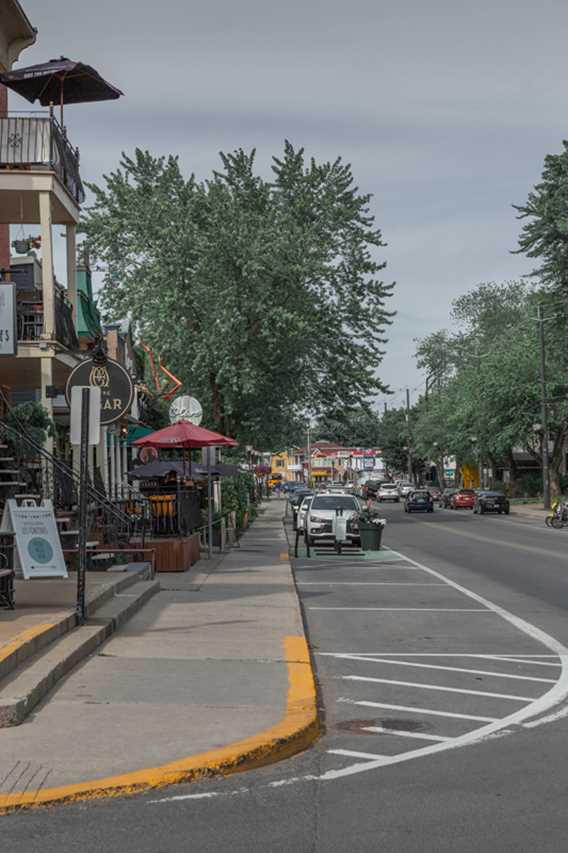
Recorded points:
(488, 403)
(263, 296)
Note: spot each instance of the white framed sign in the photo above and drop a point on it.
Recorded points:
(38, 550)
(8, 332)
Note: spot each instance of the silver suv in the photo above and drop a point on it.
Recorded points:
(388, 492)
(323, 509)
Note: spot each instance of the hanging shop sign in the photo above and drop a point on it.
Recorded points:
(8, 334)
(114, 381)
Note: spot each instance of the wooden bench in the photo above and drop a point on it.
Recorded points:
(7, 588)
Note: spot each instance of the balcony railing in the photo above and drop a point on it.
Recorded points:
(30, 322)
(38, 141)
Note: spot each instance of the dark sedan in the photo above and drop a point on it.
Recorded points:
(295, 502)
(491, 502)
(419, 501)
(446, 497)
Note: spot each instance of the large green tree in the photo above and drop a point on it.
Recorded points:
(264, 296)
(357, 427)
(489, 401)
(544, 234)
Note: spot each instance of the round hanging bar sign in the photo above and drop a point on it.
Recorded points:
(117, 387)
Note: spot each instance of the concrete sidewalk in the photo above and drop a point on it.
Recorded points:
(213, 673)
(529, 510)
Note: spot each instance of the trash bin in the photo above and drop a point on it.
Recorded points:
(371, 536)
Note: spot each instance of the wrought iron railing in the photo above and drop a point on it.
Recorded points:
(38, 140)
(31, 327)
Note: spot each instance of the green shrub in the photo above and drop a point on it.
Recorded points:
(28, 419)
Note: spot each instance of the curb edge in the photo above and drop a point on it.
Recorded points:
(298, 729)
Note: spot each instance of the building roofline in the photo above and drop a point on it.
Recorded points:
(20, 10)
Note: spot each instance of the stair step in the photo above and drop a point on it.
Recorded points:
(21, 691)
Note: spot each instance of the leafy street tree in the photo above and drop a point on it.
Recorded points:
(489, 401)
(264, 297)
(358, 427)
(544, 235)
(393, 439)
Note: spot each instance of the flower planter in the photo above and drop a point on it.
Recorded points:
(371, 536)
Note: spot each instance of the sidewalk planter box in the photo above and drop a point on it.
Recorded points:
(175, 554)
(371, 536)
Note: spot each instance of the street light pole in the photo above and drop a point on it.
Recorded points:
(543, 410)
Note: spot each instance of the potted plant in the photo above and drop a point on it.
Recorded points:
(371, 526)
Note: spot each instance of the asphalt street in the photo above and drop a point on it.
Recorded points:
(444, 694)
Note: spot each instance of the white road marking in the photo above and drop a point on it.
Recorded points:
(352, 754)
(436, 655)
(557, 694)
(445, 668)
(180, 797)
(411, 609)
(435, 687)
(381, 730)
(366, 583)
(550, 718)
(520, 660)
(415, 710)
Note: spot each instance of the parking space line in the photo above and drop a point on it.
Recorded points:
(443, 689)
(414, 710)
(446, 668)
(522, 660)
(381, 730)
(350, 753)
(412, 609)
(434, 655)
(367, 583)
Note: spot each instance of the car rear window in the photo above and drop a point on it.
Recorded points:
(466, 492)
(334, 502)
(388, 486)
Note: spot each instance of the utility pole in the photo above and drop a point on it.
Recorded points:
(408, 439)
(386, 406)
(309, 449)
(543, 410)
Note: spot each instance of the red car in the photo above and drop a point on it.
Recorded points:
(464, 499)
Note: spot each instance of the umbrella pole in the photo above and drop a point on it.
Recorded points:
(209, 507)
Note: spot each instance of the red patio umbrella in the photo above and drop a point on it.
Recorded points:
(186, 436)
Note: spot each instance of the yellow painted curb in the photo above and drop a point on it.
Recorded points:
(12, 646)
(296, 731)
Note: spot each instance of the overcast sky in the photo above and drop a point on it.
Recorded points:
(445, 109)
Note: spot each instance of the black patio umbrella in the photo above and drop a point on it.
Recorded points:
(60, 81)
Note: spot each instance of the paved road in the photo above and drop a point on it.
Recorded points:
(434, 665)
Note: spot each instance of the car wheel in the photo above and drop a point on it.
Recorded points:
(481, 510)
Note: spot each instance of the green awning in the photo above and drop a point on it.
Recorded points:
(136, 432)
